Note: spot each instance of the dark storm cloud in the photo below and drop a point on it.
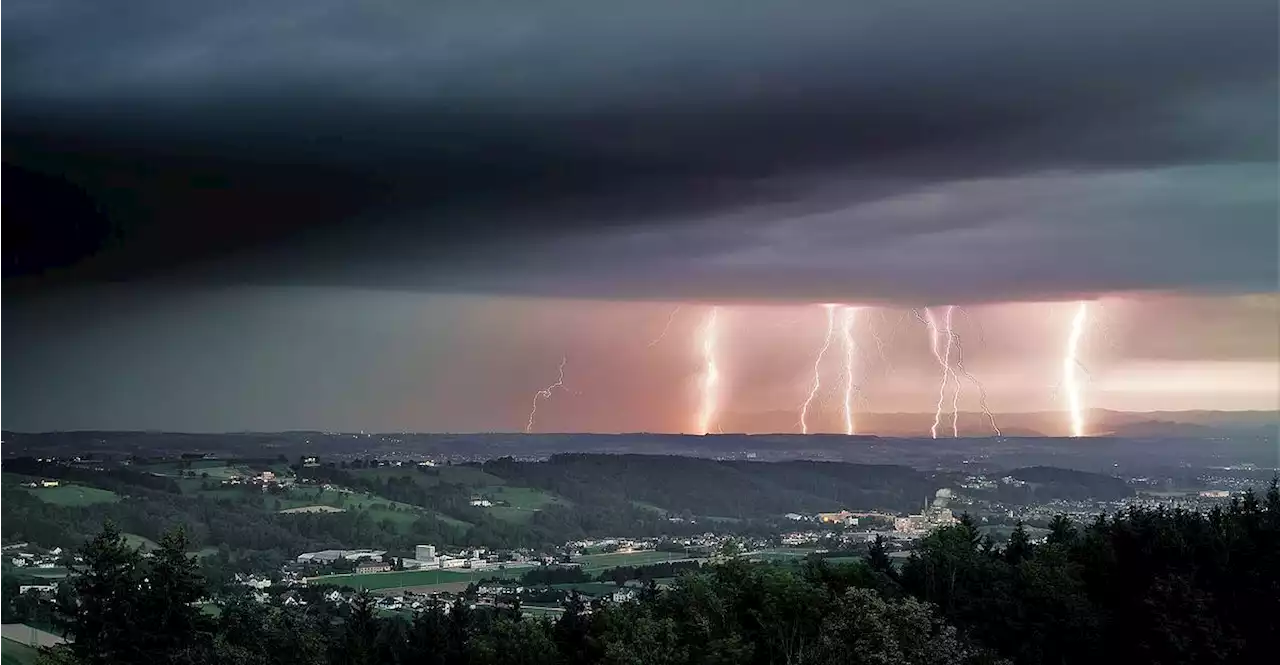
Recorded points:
(714, 149)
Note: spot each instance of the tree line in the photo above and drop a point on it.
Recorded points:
(1140, 586)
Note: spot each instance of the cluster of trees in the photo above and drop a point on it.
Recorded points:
(1142, 586)
(648, 573)
(1046, 483)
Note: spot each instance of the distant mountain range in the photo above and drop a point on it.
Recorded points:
(1099, 422)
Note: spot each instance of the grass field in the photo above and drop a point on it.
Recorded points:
(524, 501)
(378, 507)
(74, 496)
(134, 540)
(413, 578)
(13, 653)
(782, 553)
(598, 562)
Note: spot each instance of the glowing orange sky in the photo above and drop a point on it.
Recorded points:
(343, 359)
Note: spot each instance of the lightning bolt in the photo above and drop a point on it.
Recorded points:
(982, 391)
(817, 364)
(880, 342)
(665, 328)
(847, 317)
(545, 393)
(955, 395)
(944, 361)
(710, 374)
(1070, 363)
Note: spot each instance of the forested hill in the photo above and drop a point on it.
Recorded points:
(1070, 484)
(723, 488)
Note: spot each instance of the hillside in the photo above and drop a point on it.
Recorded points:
(722, 488)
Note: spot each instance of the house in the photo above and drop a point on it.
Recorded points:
(49, 483)
(372, 567)
(483, 503)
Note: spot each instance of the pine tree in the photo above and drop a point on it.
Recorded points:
(878, 556)
(102, 618)
(1019, 548)
(176, 630)
(360, 632)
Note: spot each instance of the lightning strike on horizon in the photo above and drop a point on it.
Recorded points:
(847, 317)
(944, 361)
(955, 395)
(982, 391)
(817, 365)
(710, 374)
(665, 328)
(1070, 363)
(545, 393)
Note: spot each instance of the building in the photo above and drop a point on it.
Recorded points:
(843, 517)
(268, 476)
(1215, 494)
(329, 556)
(424, 552)
(372, 567)
(483, 503)
(452, 562)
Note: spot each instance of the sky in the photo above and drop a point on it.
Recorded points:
(403, 216)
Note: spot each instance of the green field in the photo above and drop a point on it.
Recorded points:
(14, 653)
(378, 508)
(782, 553)
(134, 540)
(413, 578)
(523, 501)
(598, 562)
(73, 496)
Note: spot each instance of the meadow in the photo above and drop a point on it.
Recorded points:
(414, 578)
(73, 496)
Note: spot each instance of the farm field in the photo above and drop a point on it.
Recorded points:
(523, 501)
(781, 554)
(14, 653)
(414, 578)
(134, 540)
(598, 562)
(73, 496)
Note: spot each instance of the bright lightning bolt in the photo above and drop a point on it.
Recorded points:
(955, 396)
(665, 328)
(710, 373)
(1070, 364)
(982, 391)
(545, 393)
(847, 317)
(944, 361)
(817, 364)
